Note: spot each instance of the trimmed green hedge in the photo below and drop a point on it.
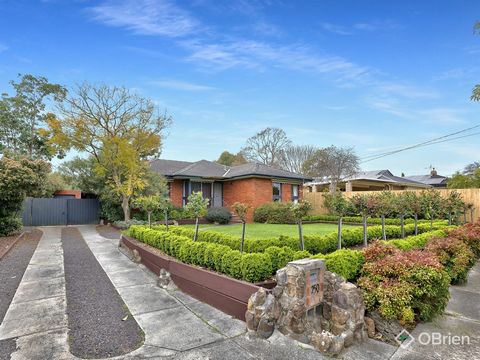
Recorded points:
(418, 241)
(359, 220)
(345, 262)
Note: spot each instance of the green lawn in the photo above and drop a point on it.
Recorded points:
(265, 231)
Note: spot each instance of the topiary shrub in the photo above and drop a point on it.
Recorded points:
(256, 267)
(218, 215)
(346, 263)
(280, 256)
(232, 264)
(470, 235)
(298, 255)
(454, 255)
(217, 255)
(405, 285)
(274, 213)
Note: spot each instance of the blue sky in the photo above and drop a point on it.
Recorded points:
(373, 74)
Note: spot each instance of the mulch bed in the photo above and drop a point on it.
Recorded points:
(109, 232)
(12, 267)
(95, 310)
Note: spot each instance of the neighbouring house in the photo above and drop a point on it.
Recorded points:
(433, 179)
(253, 183)
(375, 180)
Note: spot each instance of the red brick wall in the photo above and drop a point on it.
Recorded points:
(252, 191)
(76, 193)
(176, 192)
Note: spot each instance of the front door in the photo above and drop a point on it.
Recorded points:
(217, 194)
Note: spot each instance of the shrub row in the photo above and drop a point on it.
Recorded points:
(314, 244)
(359, 220)
(250, 267)
(417, 241)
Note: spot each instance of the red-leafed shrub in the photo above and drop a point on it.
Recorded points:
(404, 285)
(470, 235)
(454, 254)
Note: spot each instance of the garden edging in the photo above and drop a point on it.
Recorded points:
(5, 250)
(224, 293)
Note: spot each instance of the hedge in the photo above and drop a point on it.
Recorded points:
(314, 244)
(359, 220)
(250, 267)
(345, 262)
(417, 241)
(274, 213)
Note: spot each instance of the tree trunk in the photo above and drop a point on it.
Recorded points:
(196, 229)
(365, 237)
(384, 235)
(402, 226)
(243, 236)
(166, 219)
(415, 221)
(149, 214)
(472, 211)
(339, 236)
(126, 208)
(300, 235)
(464, 216)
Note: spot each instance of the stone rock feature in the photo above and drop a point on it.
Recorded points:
(165, 281)
(387, 329)
(136, 256)
(311, 305)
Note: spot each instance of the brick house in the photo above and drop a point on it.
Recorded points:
(254, 184)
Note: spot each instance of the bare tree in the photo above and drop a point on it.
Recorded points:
(333, 164)
(266, 146)
(471, 168)
(294, 156)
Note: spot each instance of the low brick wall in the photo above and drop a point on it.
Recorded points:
(224, 293)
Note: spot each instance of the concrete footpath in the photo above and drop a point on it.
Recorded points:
(180, 327)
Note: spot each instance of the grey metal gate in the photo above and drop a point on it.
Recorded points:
(60, 211)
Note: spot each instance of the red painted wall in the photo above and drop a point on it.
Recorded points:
(76, 193)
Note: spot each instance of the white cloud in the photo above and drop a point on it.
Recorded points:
(180, 85)
(336, 29)
(146, 17)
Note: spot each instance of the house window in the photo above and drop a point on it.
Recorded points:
(190, 187)
(277, 191)
(295, 193)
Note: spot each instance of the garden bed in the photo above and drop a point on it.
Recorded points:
(226, 294)
(7, 242)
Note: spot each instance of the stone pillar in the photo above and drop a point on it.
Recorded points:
(311, 305)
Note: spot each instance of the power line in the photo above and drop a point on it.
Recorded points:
(437, 140)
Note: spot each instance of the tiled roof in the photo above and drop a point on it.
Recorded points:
(429, 179)
(210, 169)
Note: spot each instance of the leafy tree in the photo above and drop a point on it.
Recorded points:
(197, 207)
(384, 207)
(337, 205)
(19, 179)
(229, 159)
(166, 207)
(149, 204)
(471, 168)
(465, 180)
(55, 182)
(414, 204)
(332, 164)
(299, 211)
(401, 206)
(431, 204)
(241, 210)
(266, 146)
(453, 205)
(120, 129)
(79, 174)
(362, 206)
(294, 157)
(23, 117)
